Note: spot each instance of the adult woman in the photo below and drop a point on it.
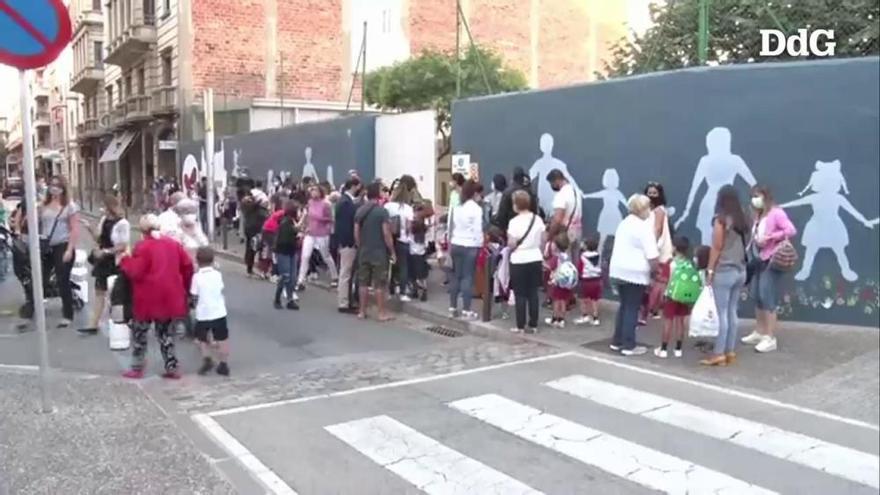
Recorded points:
(525, 236)
(493, 199)
(112, 235)
(726, 271)
(660, 220)
(634, 258)
(255, 211)
(59, 230)
(770, 228)
(401, 214)
(160, 272)
(465, 243)
(319, 224)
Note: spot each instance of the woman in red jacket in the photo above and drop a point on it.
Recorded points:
(160, 272)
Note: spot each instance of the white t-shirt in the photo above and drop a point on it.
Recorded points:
(569, 200)
(634, 245)
(530, 249)
(169, 224)
(207, 286)
(467, 225)
(406, 214)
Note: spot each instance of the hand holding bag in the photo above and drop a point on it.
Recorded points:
(704, 317)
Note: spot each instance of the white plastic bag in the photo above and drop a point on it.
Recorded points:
(120, 336)
(704, 316)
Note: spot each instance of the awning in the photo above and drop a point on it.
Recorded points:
(117, 147)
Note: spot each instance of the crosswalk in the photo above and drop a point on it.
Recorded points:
(431, 467)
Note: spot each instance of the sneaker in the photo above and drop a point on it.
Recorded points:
(614, 347)
(301, 287)
(656, 316)
(453, 312)
(635, 351)
(531, 330)
(223, 369)
(87, 331)
(469, 315)
(292, 305)
(405, 298)
(584, 320)
(595, 322)
(295, 296)
(560, 324)
(767, 344)
(661, 353)
(550, 322)
(133, 374)
(313, 277)
(207, 365)
(677, 353)
(334, 284)
(277, 305)
(752, 338)
(64, 323)
(516, 330)
(171, 375)
(642, 322)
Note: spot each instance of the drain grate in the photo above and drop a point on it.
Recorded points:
(445, 332)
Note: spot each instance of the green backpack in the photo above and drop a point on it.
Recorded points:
(685, 283)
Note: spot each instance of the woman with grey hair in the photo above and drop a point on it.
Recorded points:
(160, 272)
(634, 258)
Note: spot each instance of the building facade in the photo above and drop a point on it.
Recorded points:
(141, 66)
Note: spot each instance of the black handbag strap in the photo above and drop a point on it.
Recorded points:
(528, 231)
(55, 223)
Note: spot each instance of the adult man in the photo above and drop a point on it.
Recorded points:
(372, 232)
(567, 210)
(344, 230)
(505, 206)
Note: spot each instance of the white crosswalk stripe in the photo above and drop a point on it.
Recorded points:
(834, 459)
(422, 461)
(628, 460)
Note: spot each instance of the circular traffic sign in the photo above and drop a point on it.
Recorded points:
(32, 32)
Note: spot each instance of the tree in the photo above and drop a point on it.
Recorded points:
(428, 82)
(734, 32)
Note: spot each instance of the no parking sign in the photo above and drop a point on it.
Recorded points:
(32, 32)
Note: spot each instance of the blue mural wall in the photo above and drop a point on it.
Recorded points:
(809, 130)
(326, 150)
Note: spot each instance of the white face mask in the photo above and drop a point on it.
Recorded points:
(758, 202)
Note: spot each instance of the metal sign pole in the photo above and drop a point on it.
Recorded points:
(30, 189)
(209, 159)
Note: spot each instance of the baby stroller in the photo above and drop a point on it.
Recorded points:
(21, 266)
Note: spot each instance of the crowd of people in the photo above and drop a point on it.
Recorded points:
(376, 240)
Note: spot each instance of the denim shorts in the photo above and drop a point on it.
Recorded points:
(765, 287)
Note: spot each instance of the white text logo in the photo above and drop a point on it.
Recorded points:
(818, 43)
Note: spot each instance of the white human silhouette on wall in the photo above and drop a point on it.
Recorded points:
(825, 229)
(612, 200)
(542, 167)
(308, 168)
(719, 167)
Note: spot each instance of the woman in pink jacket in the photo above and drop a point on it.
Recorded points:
(770, 228)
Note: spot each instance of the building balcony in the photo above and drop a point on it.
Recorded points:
(164, 101)
(87, 80)
(42, 118)
(117, 116)
(40, 91)
(134, 41)
(104, 125)
(89, 129)
(137, 108)
(88, 18)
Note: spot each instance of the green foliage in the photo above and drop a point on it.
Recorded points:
(734, 36)
(428, 81)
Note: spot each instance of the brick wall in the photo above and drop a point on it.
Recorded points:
(431, 25)
(310, 37)
(504, 26)
(564, 43)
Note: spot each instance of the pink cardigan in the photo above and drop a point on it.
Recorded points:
(777, 227)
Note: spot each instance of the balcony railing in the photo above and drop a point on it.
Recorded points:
(88, 129)
(133, 40)
(41, 118)
(88, 79)
(117, 116)
(137, 107)
(164, 100)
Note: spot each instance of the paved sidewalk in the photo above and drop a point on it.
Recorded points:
(104, 437)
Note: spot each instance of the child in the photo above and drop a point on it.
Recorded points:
(590, 271)
(418, 269)
(286, 249)
(207, 290)
(681, 294)
(563, 280)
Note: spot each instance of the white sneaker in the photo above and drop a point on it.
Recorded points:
(595, 322)
(635, 351)
(550, 321)
(405, 298)
(752, 338)
(767, 344)
(560, 324)
(469, 315)
(453, 312)
(615, 348)
(515, 330)
(660, 353)
(677, 353)
(584, 320)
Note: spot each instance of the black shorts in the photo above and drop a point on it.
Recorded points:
(217, 328)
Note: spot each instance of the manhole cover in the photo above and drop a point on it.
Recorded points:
(445, 332)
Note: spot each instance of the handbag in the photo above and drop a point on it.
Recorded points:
(785, 257)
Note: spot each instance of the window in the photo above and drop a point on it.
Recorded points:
(141, 75)
(109, 90)
(96, 5)
(166, 9)
(98, 47)
(120, 94)
(149, 7)
(128, 85)
(166, 68)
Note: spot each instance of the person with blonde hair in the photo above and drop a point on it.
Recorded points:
(59, 230)
(633, 260)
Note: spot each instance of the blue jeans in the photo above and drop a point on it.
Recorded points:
(630, 296)
(464, 261)
(287, 268)
(765, 287)
(727, 286)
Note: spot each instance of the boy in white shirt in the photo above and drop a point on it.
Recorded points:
(207, 290)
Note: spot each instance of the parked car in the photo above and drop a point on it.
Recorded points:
(13, 188)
